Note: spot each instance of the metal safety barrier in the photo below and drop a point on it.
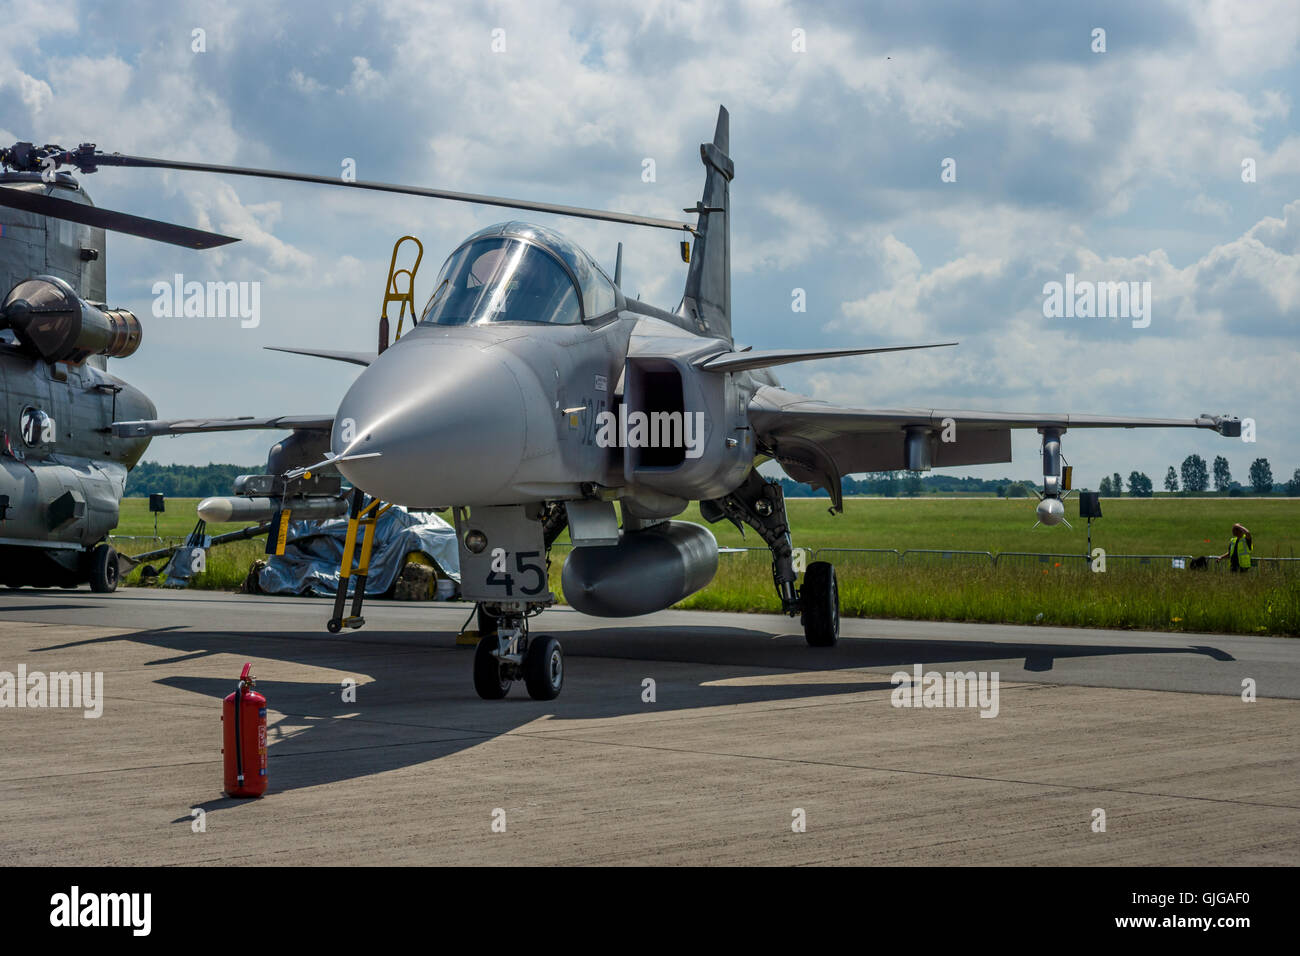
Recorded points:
(1266, 565)
(129, 543)
(933, 556)
(1038, 559)
(877, 556)
(1178, 562)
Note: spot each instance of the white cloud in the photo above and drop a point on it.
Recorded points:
(35, 94)
(1240, 38)
(1203, 205)
(365, 79)
(304, 83)
(220, 208)
(918, 301)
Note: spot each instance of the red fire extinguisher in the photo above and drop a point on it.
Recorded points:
(243, 720)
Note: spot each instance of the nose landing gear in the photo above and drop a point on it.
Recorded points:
(507, 653)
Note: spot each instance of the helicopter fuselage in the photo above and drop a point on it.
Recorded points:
(62, 470)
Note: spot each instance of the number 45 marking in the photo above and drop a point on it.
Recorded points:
(498, 576)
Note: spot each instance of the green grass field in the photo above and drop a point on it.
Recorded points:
(1130, 526)
(1124, 597)
(227, 565)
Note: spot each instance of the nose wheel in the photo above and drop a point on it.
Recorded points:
(506, 653)
(490, 680)
(544, 668)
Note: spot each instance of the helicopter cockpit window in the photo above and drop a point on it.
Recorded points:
(502, 280)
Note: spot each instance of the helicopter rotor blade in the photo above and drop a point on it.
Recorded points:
(56, 208)
(88, 161)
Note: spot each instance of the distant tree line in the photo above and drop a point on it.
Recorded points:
(1192, 477)
(896, 484)
(185, 481)
(201, 481)
(1196, 478)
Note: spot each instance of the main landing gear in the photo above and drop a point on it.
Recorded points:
(820, 600)
(506, 652)
(103, 569)
(760, 504)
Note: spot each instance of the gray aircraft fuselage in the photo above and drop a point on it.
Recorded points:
(510, 413)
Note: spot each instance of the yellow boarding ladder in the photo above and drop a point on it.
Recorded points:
(394, 292)
(361, 519)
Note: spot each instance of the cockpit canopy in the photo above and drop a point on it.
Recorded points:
(517, 272)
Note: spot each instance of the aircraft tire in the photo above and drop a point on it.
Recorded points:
(488, 681)
(544, 668)
(820, 596)
(103, 569)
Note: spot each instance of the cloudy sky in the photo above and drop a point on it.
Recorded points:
(1123, 165)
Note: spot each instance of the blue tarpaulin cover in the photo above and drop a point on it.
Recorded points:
(310, 563)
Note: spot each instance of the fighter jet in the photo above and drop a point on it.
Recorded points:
(533, 396)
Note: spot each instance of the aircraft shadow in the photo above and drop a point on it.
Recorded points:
(414, 702)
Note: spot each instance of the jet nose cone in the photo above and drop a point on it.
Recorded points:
(447, 422)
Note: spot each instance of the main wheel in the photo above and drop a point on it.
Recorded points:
(544, 668)
(103, 569)
(488, 680)
(820, 596)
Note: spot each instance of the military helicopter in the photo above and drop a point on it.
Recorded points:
(62, 470)
(532, 396)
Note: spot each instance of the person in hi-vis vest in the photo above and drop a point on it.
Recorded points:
(1239, 548)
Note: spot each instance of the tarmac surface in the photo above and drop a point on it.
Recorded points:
(749, 731)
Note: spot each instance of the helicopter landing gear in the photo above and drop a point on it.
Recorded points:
(103, 569)
(507, 653)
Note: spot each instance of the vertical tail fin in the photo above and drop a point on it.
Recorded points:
(707, 297)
